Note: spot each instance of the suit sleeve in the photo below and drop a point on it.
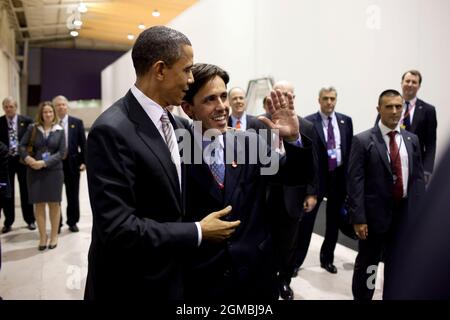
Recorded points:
(57, 156)
(23, 152)
(355, 182)
(111, 169)
(4, 183)
(81, 143)
(430, 142)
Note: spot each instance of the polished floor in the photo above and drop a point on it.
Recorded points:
(60, 274)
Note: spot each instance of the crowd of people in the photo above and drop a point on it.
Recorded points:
(44, 154)
(182, 210)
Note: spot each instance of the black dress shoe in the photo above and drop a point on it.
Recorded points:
(6, 229)
(286, 292)
(74, 228)
(32, 226)
(295, 272)
(331, 268)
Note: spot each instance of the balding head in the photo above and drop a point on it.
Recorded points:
(285, 87)
(236, 98)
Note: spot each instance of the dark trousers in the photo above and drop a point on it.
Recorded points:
(284, 233)
(7, 203)
(72, 183)
(376, 248)
(335, 200)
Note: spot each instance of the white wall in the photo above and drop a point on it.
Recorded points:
(359, 46)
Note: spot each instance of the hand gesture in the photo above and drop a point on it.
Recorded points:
(284, 117)
(361, 231)
(216, 230)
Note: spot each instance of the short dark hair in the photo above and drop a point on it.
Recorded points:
(414, 73)
(203, 73)
(388, 93)
(157, 43)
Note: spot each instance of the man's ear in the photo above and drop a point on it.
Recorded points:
(158, 69)
(378, 109)
(187, 108)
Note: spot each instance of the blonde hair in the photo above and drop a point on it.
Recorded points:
(39, 119)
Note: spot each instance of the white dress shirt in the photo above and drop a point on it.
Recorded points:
(403, 152)
(337, 134)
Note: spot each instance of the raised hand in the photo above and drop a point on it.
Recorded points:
(284, 118)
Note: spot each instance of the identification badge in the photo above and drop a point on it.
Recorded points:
(45, 156)
(332, 154)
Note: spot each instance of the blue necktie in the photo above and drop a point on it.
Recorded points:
(216, 165)
(331, 146)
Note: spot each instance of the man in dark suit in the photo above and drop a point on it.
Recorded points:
(136, 182)
(421, 258)
(385, 181)
(288, 205)
(335, 132)
(239, 118)
(419, 118)
(4, 182)
(243, 268)
(12, 128)
(74, 159)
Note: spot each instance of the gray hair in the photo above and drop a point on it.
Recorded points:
(8, 100)
(327, 89)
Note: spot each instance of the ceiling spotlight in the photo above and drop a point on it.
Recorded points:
(130, 36)
(77, 22)
(74, 33)
(141, 26)
(82, 8)
(156, 13)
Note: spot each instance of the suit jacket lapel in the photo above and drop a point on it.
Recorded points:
(319, 129)
(21, 127)
(342, 131)
(409, 149)
(148, 132)
(232, 170)
(381, 147)
(418, 115)
(202, 173)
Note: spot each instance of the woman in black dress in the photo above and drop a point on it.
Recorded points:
(42, 148)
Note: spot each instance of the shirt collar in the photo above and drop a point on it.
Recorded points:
(385, 130)
(412, 102)
(13, 120)
(65, 119)
(153, 110)
(325, 117)
(242, 118)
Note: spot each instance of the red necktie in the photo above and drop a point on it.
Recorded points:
(238, 124)
(396, 167)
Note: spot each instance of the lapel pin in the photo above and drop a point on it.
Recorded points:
(234, 164)
(72, 126)
(342, 121)
(409, 138)
(21, 124)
